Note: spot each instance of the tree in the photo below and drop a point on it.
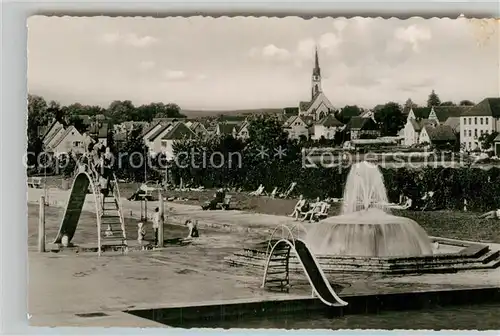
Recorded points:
(119, 111)
(347, 112)
(78, 123)
(466, 103)
(390, 118)
(487, 139)
(433, 100)
(447, 103)
(409, 104)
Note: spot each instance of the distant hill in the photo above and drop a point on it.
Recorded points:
(209, 113)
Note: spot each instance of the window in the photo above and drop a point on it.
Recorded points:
(465, 133)
(465, 121)
(470, 121)
(475, 120)
(475, 132)
(481, 121)
(470, 133)
(487, 120)
(481, 131)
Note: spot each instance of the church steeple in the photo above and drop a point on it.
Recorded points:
(316, 76)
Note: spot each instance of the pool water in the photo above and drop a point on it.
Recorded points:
(477, 317)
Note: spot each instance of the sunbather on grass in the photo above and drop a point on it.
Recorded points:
(493, 214)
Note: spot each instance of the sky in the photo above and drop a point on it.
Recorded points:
(243, 63)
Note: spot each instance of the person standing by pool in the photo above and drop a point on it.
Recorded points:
(193, 229)
(156, 224)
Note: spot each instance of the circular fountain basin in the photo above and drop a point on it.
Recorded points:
(368, 233)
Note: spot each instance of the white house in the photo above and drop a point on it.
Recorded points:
(70, 140)
(477, 120)
(326, 128)
(154, 141)
(148, 133)
(437, 135)
(178, 131)
(296, 127)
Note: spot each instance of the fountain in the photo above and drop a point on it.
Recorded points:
(366, 237)
(366, 228)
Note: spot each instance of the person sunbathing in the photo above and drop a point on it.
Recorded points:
(217, 198)
(408, 203)
(493, 214)
(298, 207)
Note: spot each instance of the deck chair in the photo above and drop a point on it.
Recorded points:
(322, 214)
(224, 205)
(273, 193)
(258, 192)
(288, 191)
(314, 211)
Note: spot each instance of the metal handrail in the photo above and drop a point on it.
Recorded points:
(116, 194)
(283, 227)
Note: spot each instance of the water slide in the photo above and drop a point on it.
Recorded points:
(314, 273)
(74, 207)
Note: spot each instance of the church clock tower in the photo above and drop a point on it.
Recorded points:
(316, 76)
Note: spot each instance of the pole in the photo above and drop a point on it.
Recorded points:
(41, 225)
(162, 216)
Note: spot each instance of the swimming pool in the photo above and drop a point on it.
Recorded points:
(477, 317)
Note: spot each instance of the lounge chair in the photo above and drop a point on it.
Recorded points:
(273, 193)
(288, 191)
(318, 211)
(258, 192)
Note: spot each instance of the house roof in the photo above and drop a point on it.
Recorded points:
(227, 128)
(330, 121)
(421, 112)
(160, 130)
(497, 139)
(53, 135)
(454, 123)
(291, 120)
(489, 107)
(149, 129)
(64, 135)
(361, 123)
(445, 112)
(178, 131)
(304, 105)
(47, 129)
(241, 126)
(440, 133)
(168, 120)
(418, 125)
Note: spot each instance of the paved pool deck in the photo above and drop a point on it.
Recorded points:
(64, 284)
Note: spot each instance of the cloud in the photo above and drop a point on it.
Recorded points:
(146, 65)
(139, 41)
(270, 52)
(329, 42)
(339, 25)
(110, 38)
(131, 39)
(413, 35)
(175, 75)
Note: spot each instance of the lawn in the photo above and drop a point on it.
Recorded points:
(445, 223)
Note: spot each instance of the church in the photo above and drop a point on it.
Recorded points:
(319, 106)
